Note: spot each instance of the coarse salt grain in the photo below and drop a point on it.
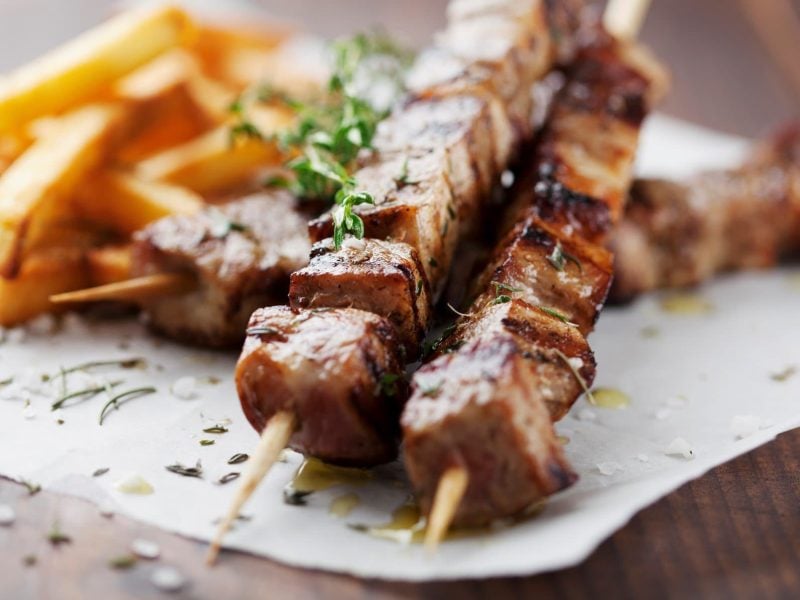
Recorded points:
(134, 484)
(168, 579)
(643, 458)
(7, 515)
(354, 243)
(145, 549)
(680, 447)
(662, 413)
(586, 414)
(184, 388)
(743, 426)
(609, 467)
(42, 325)
(29, 412)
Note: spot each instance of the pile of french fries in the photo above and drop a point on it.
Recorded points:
(122, 126)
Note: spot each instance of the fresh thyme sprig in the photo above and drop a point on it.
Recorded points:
(331, 132)
(115, 401)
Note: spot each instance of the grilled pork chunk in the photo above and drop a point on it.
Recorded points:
(680, 234)
(307, 362)
(518, 359)
(241, 254)
(390, 271)
(434, 162)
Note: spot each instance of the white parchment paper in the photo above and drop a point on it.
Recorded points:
(691, 377)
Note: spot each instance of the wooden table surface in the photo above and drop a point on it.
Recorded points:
(734, 533)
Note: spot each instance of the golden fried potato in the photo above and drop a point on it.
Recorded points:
(41, 275)
(109, 264)
(80, 70)
(125, 203)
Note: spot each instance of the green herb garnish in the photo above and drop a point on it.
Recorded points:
(295, 497)
(228, 477)
(331, 132)
(558, 258)
(501, 299)
(216, 429)
(432, 391)
(784, 375)
(388, 384)
(99, 472)
(238, 458)
(554, 313)
(206, 442)
(179, 469)
(115, 401)
(89, 392)
(57, 537)
(125, 561)
(33, 488)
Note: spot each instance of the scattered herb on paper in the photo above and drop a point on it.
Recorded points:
(179, 469)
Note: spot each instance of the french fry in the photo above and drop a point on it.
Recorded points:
(126, 203)
(215, 45)
(167, 111)
(41, 275)
(80, 70)
(48, 172)
(109, 264)
(212, 162)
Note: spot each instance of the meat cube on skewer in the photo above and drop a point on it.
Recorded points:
(380, 277)
(680, 234)
(240, 256)
(287, 354)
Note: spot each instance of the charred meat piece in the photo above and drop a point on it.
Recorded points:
(241, 254)
(306, 363)
(680, 234)
(384, 278)
(557, 352)
(414, 204)
(518, 359)
(458, 125)
(545, 268)
(472, 408)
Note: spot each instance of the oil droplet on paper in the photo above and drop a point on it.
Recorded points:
(563, 440)
(406, 526)
(343, 505)
(794, 281)
(134, 484)
(609, 398)
(686, 304)
(314, 476)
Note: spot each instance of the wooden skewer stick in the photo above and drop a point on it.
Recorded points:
(140, 288)
(274, 438)
(449, 493)
(623, 19)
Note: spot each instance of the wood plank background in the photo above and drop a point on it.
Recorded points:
(734, 533)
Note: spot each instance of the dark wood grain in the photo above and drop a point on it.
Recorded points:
(734, 533)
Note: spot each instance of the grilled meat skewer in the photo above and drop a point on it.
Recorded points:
(433, 166)
(519, 358)
(680, 234)
(436, 158)
(207, 272)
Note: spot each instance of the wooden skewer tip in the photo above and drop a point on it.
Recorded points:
(160, 284)
(274, 438)
(449, 493)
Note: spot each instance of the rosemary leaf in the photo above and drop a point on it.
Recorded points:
(114, 402)
(179, 469)
(238, 458)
